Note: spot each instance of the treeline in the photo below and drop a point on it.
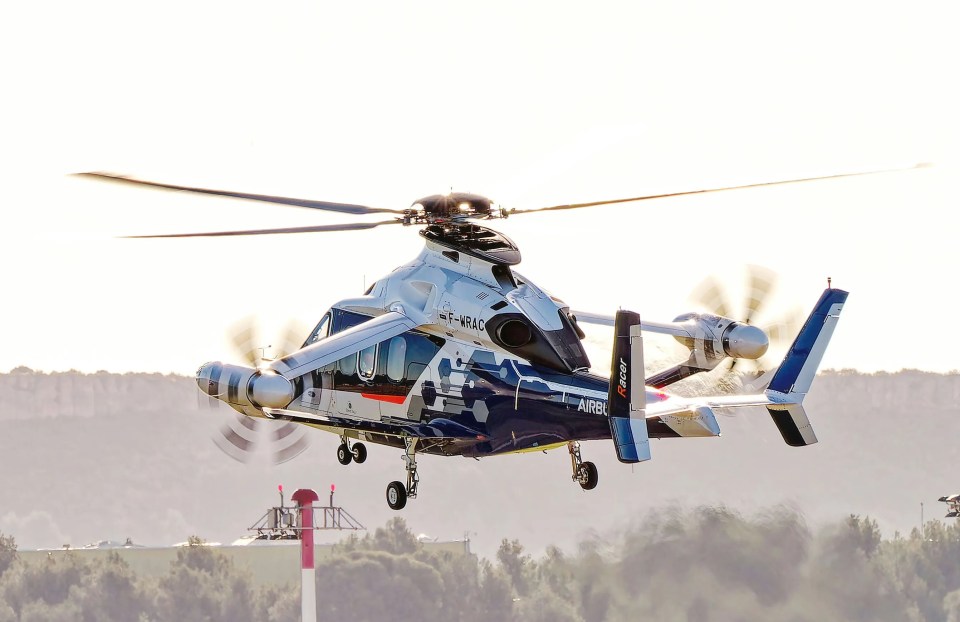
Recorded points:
(709, 564)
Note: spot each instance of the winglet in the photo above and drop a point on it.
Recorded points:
(627, 396)
(799, 366)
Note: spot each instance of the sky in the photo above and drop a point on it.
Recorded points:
(532, 104)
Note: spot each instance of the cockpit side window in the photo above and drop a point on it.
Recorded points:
(342, 320)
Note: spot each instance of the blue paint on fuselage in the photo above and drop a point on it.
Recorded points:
(521, 413)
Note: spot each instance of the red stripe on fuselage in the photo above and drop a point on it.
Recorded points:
(393, 399)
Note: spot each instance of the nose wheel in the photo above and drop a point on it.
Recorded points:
(397, 493)
(347, 453)
(584, 473)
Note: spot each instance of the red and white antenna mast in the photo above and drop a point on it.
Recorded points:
(305, 498)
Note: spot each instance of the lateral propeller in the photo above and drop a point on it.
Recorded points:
(242, 437)
(760, 284)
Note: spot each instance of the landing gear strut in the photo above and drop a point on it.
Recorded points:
(397, 493)
(346, 453)
(584, 473)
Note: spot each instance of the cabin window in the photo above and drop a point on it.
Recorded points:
(367, 363)
(347, 366)
(396, 358)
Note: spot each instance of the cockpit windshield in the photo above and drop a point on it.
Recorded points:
(321, 331)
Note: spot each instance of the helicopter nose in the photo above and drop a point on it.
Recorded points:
(744, 341)
(208, 378)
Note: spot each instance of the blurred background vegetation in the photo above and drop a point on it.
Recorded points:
(706, 564)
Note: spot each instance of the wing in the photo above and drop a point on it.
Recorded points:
(335, 347)
(343, 344)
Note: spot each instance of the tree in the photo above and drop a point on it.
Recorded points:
(380, 586)
(395, 537)
(204, 585)
(542, 605)
(496, 595)
(111, 592)
(8, 552)
(516, 565)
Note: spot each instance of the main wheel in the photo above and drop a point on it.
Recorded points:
(587, 476)
(359, 452)
(396, 495)
(343, 454)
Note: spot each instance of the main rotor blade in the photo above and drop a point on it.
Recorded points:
(705, 190)
(346, 208)
(355, 226)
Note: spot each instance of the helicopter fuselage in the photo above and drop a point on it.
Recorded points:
(494, 362)
(508, 404)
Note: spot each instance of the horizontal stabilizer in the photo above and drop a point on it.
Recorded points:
(791, 420)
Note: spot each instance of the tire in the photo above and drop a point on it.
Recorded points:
(343, 454)
(396, 495)
(359, 453)
(587, 476)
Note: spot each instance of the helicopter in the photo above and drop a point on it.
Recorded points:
(456, 353)
(953, 505)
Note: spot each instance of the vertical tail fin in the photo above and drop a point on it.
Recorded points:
(627, 396)
(793, 378)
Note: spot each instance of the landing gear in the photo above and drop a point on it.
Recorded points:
(346, 453)
(587, 476)
(397, 493)
(584, 473)
(359, 452)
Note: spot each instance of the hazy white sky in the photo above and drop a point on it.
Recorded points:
(530, 103)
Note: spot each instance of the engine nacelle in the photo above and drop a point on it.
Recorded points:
(242, 386)
(715, 337)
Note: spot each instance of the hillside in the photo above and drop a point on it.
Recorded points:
(85, 457)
